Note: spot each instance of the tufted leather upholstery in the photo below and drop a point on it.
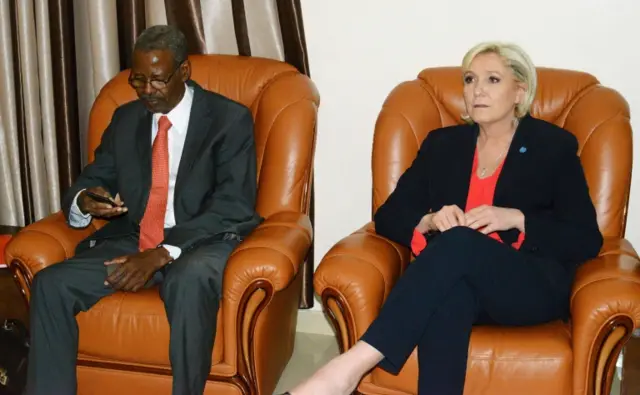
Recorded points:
(124, 339)
(357, 274)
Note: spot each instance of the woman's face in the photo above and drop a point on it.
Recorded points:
(491, 91)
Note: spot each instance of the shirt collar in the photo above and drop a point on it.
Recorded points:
(179, 115)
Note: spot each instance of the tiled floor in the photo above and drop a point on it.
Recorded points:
(312, 351)
(615, 388)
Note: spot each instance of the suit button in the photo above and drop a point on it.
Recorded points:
(534, 249)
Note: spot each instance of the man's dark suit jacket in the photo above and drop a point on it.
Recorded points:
(216, 185)
(542, 176)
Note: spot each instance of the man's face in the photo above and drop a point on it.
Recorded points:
(157, 81)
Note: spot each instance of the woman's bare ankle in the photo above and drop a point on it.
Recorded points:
(365, 356)
(343, 373)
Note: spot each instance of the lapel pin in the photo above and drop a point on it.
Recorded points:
(523, 149)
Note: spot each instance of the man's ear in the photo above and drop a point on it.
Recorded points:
(185, 69)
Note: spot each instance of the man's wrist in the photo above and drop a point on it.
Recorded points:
(165, 257)
(79, 202)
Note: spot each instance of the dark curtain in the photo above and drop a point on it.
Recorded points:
(295, 45)
(186, 15)
(27, 192)
(131, 22)
(63, 63)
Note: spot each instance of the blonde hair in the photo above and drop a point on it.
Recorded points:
(518, 61)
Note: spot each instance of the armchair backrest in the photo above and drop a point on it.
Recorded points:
(598, 116)
(284, 104)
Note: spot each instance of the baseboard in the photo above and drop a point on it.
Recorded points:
(315, 322)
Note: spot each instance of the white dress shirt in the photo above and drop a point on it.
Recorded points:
(179, 117)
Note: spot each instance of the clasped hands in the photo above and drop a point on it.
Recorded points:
(133, 271)
(486, 219)
(130, 272)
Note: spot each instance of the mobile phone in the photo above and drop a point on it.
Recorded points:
(100, 198)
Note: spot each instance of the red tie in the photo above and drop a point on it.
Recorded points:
(152, 224)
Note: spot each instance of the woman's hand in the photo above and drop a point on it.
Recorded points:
(446, 218)
(489, 219)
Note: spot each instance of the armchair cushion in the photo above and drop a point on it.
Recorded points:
(118, 328)
(499, 361)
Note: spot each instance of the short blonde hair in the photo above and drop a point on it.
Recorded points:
(519, 62)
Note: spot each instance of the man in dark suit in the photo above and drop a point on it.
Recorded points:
(178, 170)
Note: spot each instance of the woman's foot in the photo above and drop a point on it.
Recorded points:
(342, 374)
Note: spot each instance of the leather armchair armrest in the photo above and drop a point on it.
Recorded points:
(355, 277)
(41, 244)
(45, 242)
(272, 252)
(262, 268)
(605, 308)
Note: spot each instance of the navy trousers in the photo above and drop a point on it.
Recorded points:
(463, 278)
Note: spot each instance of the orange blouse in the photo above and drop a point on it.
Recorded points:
(481, 192)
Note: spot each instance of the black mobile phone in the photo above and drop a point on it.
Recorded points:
(100, 198)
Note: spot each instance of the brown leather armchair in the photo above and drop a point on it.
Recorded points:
(356, 275)
(124, 339)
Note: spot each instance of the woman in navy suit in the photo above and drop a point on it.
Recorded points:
(498, 214)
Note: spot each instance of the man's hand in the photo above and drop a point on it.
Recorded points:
(87, 204)
(133, 271)
(489, 219)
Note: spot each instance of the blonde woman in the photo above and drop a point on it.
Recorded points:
(498, 214)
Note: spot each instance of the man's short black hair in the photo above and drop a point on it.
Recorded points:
(163, 38)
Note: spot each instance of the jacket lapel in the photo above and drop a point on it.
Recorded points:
(513, 163)
(143, 143)
(199, 124)
(512, 170)
(462, 166)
